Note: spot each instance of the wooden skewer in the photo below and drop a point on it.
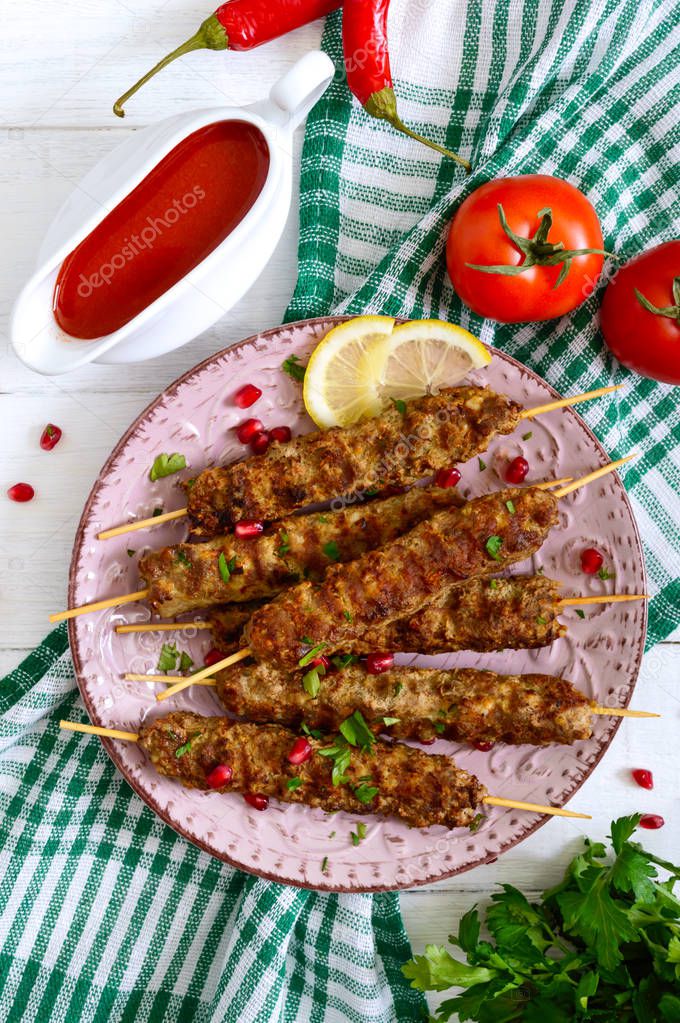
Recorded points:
(551, 483)
(157, 520)
(131, 527)
(184, 683)
(624, 712)
(551, 406)
(169, 679)
(99, 605)
(162, 627)
(602, 471)
(612, 598)
(114, 733)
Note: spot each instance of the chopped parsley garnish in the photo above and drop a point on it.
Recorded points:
(331, 550)
(131, 553)
(528, 436)
(226, 567)
(187, 746)
(580, 613)
(439, 727)
(182, 558)
(342, 661)
(356, 731)
(186, 661)
(322, 518)
(166, 465)
(540, 620)
(366, 793)
(311, 682)
(510, 506)
(540, 570)
(477, 822)
(293, 783)
(313, 733)
(167, 660)
(156, 512)
(340, 753)
(332, 834)
(284, 546)
(493, 584)
(391, 721)
(359, 834)
(324, 865)
(347, 615)
(399, 405)
(398, 688)
(493, 547)
(294, 368)
(482, 464)
(311, 654)
(605, 574)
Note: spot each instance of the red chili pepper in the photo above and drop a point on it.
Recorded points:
(367, 65)
(241, 25)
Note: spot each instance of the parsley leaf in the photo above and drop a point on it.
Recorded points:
(347, 615)
(340, 753)
(182, 558)
(187, 745)
(356, 731)
(186, 661)
(284, 546)
(311, 654)
(510, 506)
(493, 546)
(399, 405)
(493, 584)
(156, 512)
(580, 613)
(527, 436)
(605, 574)
(324, 865)
(391, 721)
(366, 793)
(482, 464)
(331, 550)
(166, 465)
(226, 567)
(359, 834)
(131, 553)
(311, 682)
(294, 368)
(293, 783)
(167, 660)
(540, 620)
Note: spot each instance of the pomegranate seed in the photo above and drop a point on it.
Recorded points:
(247, 430)
(447, 478)
(246, 529)
(376, 664)
(219, 776)
(484, 747)
(50, 437)
(591, 560)
(247, 396)
(300, 751)
(643, 778)
(321, 662)
(280, 434)
(256, 800)
(259, 442)
(651, 821)
(213, 656)
(428, 742)
(21, 492)
(517, 470)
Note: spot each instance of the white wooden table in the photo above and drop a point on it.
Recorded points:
(63, 66)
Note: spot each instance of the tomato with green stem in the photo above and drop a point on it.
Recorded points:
(640, 315)
(524, 249)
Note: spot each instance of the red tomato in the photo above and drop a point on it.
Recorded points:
(477, 236)
(645, 341)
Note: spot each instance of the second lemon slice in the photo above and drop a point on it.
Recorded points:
(426, 355)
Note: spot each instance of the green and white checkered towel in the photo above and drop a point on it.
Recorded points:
(105, 914)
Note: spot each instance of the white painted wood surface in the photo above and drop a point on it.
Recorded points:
(63, 65)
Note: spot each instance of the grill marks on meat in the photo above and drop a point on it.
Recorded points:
(419, 788)
(393, 448)
(398, 579)
(186, 577)
(464, 705)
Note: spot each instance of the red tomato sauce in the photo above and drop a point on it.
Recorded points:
(171, 221)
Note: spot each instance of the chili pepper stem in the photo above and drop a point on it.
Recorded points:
(383, 105)
(210, 36)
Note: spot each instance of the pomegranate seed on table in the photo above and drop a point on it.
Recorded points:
(652, 821)
(247, 430)
(644, 778)
(21, 492)
(484, 747)
(259, 442)
(591, 560)
(376, 664)
(280, 434)
(50, 437)
(246, 529)
(447, 478)
(219, 776)
(213, 656)
(247, 396)
(256, 800)
(300, 751)
(517, 470)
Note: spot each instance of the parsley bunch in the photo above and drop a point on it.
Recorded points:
(603, 945)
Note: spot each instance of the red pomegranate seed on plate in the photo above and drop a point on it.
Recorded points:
(247, 430)
(447, 478)
(644, 778)
(247, 396)
(259, 442)
(219, 776)
(321, 662)
(484, 747)
(21, 492)
(246, 529)
(652, 821)
(376, 664)
(50, 437)
(256, 800)
(301, 750)
(591, 560)
(517, 470)
(427, 742)
(280, 434)
(213, 656)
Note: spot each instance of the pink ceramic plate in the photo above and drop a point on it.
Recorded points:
(601, 654)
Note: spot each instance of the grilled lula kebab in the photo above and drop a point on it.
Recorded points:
(264, 761)
(406, 443)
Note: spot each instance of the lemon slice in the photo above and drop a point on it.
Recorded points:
(364, 363)
(426, 355)
(342, 379)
